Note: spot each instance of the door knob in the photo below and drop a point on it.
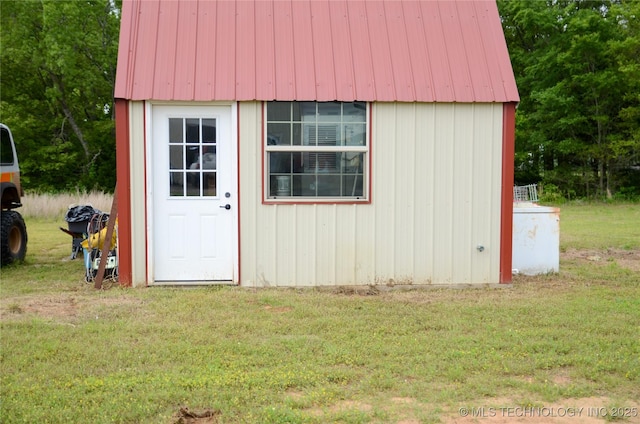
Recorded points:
(227, 206)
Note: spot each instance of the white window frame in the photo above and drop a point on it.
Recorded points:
(361, 151)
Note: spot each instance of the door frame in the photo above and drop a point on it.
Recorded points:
(149, 200)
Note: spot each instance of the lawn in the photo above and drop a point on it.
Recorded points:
(540, 347)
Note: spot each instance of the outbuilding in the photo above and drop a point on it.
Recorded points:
(314, 143)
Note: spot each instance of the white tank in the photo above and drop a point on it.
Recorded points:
(536, 239)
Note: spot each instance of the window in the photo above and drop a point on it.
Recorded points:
(316, 151)
(6, 151)
(192, 157)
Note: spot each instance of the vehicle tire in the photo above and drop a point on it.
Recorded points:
(13, 237)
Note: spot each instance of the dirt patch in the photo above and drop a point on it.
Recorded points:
(66, 308)
(205, 416)
(629, 259)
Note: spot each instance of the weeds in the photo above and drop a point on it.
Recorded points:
(46, 206)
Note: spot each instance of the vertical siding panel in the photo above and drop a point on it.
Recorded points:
(483, 165)
(325, 263)
(462, 175)
(305, 246)
(443, 193)
(496, 195)
(404, 192)
(267, 247)
(250, 192)
(286, 228)
(345, 252)
(432, 185)
(365, 244)
(423, 219)
(383, 173)
(138, 194)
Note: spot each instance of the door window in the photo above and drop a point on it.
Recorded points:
(193, 163)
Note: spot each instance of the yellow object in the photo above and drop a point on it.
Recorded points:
(96, 240)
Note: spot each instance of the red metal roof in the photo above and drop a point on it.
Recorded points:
(366, 50)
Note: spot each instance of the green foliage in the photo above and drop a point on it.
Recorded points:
(577, 67)
(58, 73)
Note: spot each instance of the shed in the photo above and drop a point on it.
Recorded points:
(314, 143)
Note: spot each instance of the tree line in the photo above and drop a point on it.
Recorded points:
(577, 66)
(576, 62)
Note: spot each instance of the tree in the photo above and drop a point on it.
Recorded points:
(58, 72)
(573, 62)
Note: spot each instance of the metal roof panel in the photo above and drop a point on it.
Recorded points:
(367, 50)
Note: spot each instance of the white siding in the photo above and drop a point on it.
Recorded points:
(138, 193)
(436, 181)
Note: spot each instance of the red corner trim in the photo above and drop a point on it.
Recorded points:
(123, 191)
(506, 220)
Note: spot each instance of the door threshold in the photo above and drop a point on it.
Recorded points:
(192, 283)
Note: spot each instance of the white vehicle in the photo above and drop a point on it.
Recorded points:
(13, 231)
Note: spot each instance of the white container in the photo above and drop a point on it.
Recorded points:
(536, 239)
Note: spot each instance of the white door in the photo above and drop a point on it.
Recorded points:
(194, 191)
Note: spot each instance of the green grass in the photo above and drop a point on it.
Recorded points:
(600, 226)
(71, 354)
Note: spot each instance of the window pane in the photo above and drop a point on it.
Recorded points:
(175, 157)
(193, 184)
(308, 112)
(175, 130)
(176, 184)
(6, 153)
(297, 134)
(352, 162)
(280, 162)
(209, 180)
(355, 134)
(192, 154)
(280, 185)
(279, 134)
(193, 130)
(352, 185)
(321, 135)
(329, 112)
(354, 112)
(279, 111)
(208, 130)
(328, 185)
